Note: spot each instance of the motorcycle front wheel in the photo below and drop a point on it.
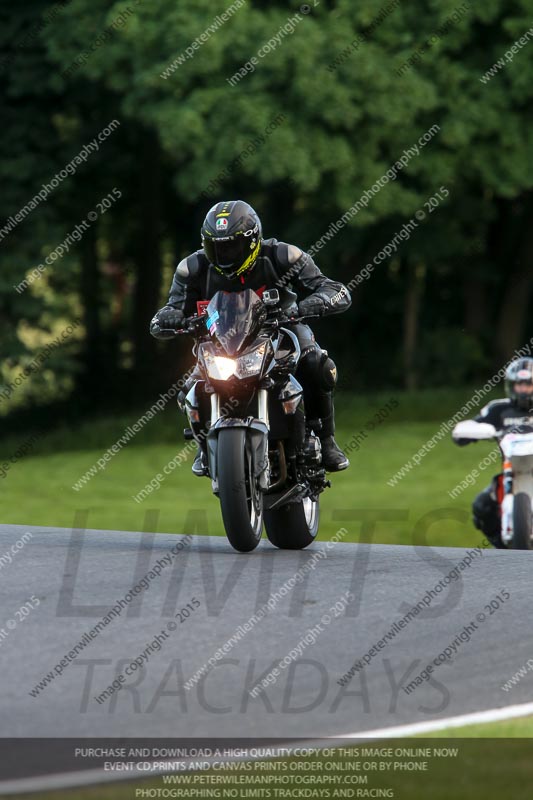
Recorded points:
(241, 501)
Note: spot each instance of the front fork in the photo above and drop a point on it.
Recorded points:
(262, 407)
(507, 503)
(257, 437)
(215, 408)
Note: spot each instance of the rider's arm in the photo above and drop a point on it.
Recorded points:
(184, 293)
(492, 412)
(489, 414)
(299, 269)
(185, 289)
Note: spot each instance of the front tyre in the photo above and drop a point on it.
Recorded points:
(241, 501)
(294, 526)
(522, 522)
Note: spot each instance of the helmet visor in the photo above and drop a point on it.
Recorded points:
(523, 388)
(519, 383)
(227, 254)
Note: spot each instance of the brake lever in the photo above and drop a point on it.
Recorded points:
(191, 325)
(301, 319)
(173, 331)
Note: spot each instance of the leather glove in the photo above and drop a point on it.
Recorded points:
(462, 442)
(170, 318)
(311, 306)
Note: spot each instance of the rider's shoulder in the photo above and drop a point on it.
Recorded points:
(192, 265)
(286, 254)
(494, 405)
(270, 246)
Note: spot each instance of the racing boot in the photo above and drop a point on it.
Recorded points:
(333, 459)
(199, 466)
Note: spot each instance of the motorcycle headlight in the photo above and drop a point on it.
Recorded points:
(219, 368)
(250, 363)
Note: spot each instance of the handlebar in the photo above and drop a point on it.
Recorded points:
(192, 324)
(188, 327)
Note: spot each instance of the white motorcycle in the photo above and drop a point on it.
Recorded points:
(516, 503)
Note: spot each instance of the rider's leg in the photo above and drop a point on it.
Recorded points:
(486, 514)
(318, 375)
(199, 466)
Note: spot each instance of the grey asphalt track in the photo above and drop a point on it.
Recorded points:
(77, 576)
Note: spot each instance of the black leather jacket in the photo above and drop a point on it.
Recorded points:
(507, 416)
(279, 265)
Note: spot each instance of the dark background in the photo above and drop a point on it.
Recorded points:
(446, 310)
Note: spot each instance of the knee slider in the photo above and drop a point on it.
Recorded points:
(484, 506)
(308, 365)
(317, 367)
(485, 514)
(328, 373)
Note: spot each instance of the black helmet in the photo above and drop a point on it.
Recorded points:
(231, 237)
(518, 377)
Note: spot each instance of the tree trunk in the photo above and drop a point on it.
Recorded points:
(514, 309)
(92, 364)
(413, 296)
(148, 260)
(475, 305)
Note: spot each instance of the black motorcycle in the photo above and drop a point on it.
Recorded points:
(247, 413)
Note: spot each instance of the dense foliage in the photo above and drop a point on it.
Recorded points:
(339, 94)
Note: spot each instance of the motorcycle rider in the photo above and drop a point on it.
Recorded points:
(234, 257)
(512, 414)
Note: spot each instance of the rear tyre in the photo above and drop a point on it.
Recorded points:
(241, 501)
(294, 526)
(522, 522)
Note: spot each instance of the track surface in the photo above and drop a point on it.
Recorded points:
(72, 572)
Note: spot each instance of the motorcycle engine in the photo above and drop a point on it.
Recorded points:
(312, 449)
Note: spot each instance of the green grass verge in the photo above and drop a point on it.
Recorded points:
(37, 489)
(521, 728)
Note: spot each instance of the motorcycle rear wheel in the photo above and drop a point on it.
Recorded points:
(294, 526)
